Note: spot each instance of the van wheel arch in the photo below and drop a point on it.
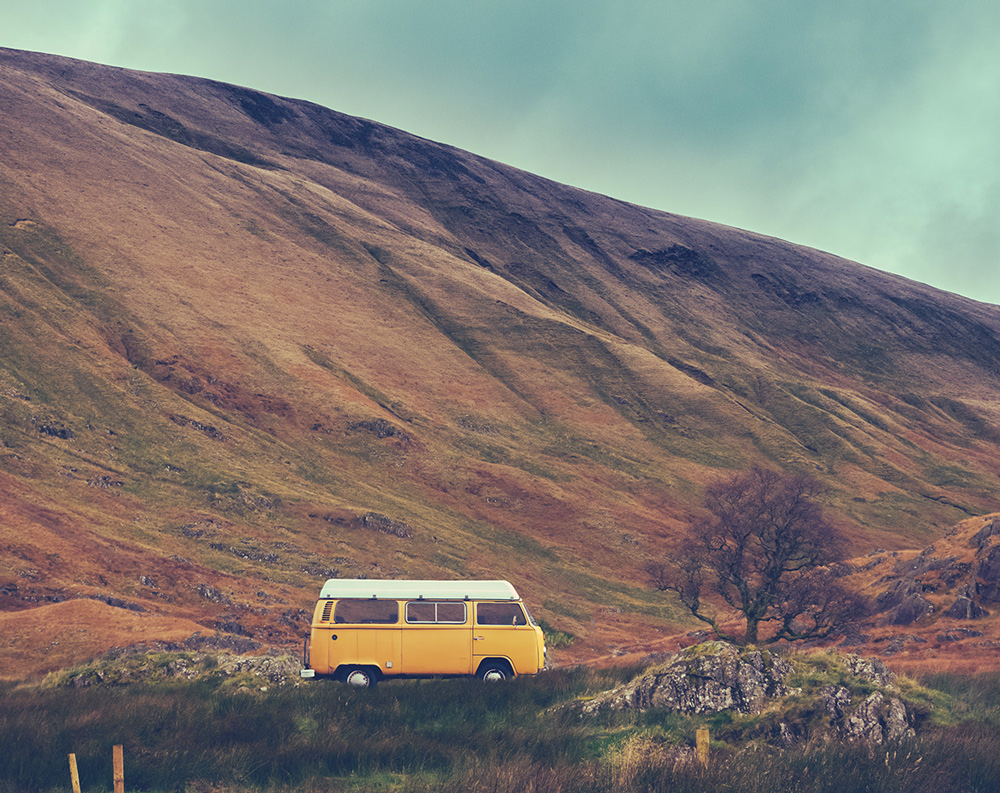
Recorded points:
(495, 670)
(359, 676)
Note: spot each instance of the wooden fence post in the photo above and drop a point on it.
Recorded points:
(119, 769)
(74, 775)
(702, 745)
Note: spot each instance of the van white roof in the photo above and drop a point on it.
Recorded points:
(337, 588)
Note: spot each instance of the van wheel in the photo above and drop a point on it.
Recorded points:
(495, 672)
(360, 677)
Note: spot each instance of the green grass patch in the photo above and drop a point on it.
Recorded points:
(555, 638)
(606, 592)
(969, 697)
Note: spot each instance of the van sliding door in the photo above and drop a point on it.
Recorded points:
(436, 638)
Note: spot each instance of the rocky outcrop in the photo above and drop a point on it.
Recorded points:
(903, 602)
(878, 719)
(956, 578)
(981, 538)
(965, 608)
(988, 575)
(706, 678)
(871, 670)
(381, 523)
(788, 696)
(232, 671)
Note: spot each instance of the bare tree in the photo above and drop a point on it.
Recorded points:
(766, 550)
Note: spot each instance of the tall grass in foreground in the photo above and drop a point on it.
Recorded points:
(976, 697)
(450, 735)
(951, 762)
(179, 733)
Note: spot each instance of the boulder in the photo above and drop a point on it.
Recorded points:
(965, 608)
(912, 608)
(988, 575)
(902, 603)
(878, 719)
(836, 701)
(870, 669)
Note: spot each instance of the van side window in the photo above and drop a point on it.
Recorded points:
(451, 612)
(366, 612)
(500, 614)
(431, 611)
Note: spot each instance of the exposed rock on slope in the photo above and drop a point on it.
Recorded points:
(936, 603)
(957, 577)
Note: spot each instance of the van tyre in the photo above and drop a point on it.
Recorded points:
(495, 672)
(360, 677)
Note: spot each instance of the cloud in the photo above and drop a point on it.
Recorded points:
(867, 129)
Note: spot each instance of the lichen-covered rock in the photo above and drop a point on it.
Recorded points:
(707, 678)
(836, 701)
(870, 669)
(274, 670)
(878, 719)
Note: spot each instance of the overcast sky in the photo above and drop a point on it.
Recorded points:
(867, 128)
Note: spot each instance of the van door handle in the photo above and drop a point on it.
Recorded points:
(477, 638)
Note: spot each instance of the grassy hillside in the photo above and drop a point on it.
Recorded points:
(248, 343)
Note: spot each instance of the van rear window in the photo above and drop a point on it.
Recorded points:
(500, 614)
(433, 611)
(366, 612)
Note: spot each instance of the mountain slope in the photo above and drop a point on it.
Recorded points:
(248, 343)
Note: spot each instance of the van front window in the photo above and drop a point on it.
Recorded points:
(500, 614)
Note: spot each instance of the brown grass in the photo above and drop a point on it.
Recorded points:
(44, 639)
(212, 307)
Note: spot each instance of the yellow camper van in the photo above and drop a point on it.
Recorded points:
(364, 630)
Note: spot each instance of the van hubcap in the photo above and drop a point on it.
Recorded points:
(494, 675)
(359, 678)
